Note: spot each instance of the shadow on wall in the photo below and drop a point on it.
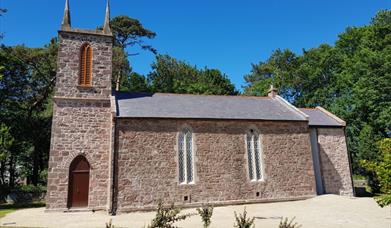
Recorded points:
(332, 181)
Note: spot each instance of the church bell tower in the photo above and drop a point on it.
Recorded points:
(80, 151)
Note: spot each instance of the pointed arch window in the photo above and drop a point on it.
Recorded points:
(85, 78)
(254, 153)
(185, 157)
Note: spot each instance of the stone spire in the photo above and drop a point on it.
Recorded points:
(272, 92)
(66, 20)
(106, 26)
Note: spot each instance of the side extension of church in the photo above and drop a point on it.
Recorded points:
(126, 151)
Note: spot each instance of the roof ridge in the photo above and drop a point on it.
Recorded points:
(308, 108)
(329, 114)
(212, 95)
(189, 94)
(292, 107)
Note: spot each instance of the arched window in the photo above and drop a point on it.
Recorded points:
(85, 78)
(185, 156)
(254, 151)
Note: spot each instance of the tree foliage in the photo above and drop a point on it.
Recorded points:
(121, 68)
(206, 213)
(6, 141)
(285, 223)
(173, 76)
(128, 32)
(351, 79)
(26, 86)
(382, 170)
(167, 216)
(243, 221)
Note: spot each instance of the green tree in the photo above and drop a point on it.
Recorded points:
(138, 83)
(26, 87)
(128, 32)
(121, 66)
(6, 141)
(278, 70)
(173, 76)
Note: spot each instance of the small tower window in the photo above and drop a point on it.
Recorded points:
(85, 78)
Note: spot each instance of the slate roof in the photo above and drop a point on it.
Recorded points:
(320, 117)
(162, 105)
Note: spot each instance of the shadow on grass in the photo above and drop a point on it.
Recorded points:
(21, 205)
(362, 192)
(9, 208)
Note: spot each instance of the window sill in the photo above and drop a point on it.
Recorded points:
(257, 181)
(187, 184)
(84, 87)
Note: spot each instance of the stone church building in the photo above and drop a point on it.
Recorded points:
(125, 151)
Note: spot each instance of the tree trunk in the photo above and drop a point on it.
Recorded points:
(2, 171)
(117, 83)
(12, 171)
(35, 166)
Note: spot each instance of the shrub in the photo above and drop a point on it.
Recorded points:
(242, 221)
(382, 171)
(109, 224)
(22, 193)
(206, 214)
(43, 177)
(167, 216)
(285, 224)
(30, 189)
(383, 200)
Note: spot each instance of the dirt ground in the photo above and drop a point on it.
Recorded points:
(323, 211)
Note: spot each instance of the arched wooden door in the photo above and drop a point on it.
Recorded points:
(79, 181)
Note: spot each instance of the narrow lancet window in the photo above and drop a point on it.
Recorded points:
(254, 151)
(185, 157)
(85, 78)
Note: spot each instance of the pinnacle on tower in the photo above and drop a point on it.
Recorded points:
(106, 26)
(66, 20)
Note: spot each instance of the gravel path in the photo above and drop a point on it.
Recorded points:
(323, 211)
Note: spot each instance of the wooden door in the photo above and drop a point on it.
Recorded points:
(79, 178)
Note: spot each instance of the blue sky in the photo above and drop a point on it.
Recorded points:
(224, 34)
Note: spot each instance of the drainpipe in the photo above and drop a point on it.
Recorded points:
(113, 156)
(113, 206)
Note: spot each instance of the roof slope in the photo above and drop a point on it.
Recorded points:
(320, 117)
(161, 105)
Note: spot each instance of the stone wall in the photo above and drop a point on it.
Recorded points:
(334, 161)
(80, 127)
(147, 166)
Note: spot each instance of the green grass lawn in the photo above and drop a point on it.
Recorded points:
(8, 208)
(3, 212)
